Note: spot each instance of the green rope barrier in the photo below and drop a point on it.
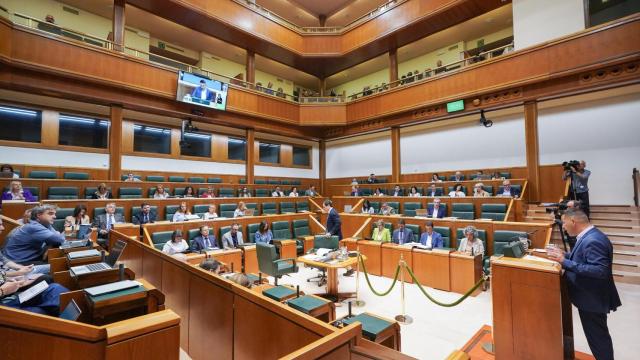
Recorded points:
(461, 299)
(366, 276)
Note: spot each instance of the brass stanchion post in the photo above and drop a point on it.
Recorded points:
(358, 302)
(403, 318)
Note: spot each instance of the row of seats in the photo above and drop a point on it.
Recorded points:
(210, 180)
(44, 174)
(465, 211)
(506, 175)
(281, 230)
(224, 210)
(439, 190)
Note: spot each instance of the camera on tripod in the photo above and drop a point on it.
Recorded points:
(570, 165)
(556, 208)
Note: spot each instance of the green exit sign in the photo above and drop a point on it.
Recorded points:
(455, 106)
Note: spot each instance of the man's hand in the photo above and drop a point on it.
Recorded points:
(556, 255)
(327, 234)
(11, 287)
(24, 270)
(103, 232)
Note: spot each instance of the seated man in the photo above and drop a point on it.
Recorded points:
(28, 243)
(311, 191)
(435, 211)
(458, 176)
(105, 223)
(507, 190)
(12, 268)
(402, 235)
(145, 216)
(131, 178)
(277, 192)
(232, 238)
(430, 238)
(433, 191)
(45, 303)
(386, 210)
(355, 191)
(204, 241)
(372, 179)
(397, 191)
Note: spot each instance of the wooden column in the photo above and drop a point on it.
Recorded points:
(118, 24)
(322, 19)
(251, 67)
(393, 65)
(115, 143)
(322, 83)
(533, 154)
(323, 166)
(395, 154)
(251, 155)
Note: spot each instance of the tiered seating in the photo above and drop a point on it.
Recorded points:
(269, 208)
(196, 179)
(281, 230)
(225, 192)
(463, 211)
(493, 211)
(446, 235)
(159, 238)
(410, 208)
(176, 178)
(226, 210)
(130, 193)
(302, 206)
(40, 174)
(62, 192)
(252, 229)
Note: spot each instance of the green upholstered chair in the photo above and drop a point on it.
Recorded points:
(281, 230)
(287, 207)
(410, 208)
(274, 182)
(446, 235)
(226, 210)
(130, 193)
(196, 179)
(252, 229)
(503, 237)
(176, 178)
(302, 206)
(296, 182)
(89, 190)
(375, 205)
(242, 181)
(178, 191)
(366, 192)
(253, 206)
(301, 228)
(416, 231)
(464, 189)
(279, 293)
(506, 175)
(453, 177)
(61, 213)
(395, 205)
(124, 177)
(214, 180)
(372, 326)
(286, 182)
(263, 193)
(518, 187)
(307, 304)
(488, 188)
(159, 238)
(155, 178)
(62, 192)
(496, 212)
(100, 211)
(169, 210)
(72, 175)
(269, 208)
(152, 191)
(18, 172)
(225, 192)
(200, 209)
(192, 234)
(41, 174)
(268, 262)
(136, 210)
(260, 181)
(463, 211)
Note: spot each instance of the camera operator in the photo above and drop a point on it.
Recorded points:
(579, 178)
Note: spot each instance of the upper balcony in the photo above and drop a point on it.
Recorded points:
(70, 64)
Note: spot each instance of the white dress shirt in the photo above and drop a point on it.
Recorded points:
(171, 248)
(209, 216)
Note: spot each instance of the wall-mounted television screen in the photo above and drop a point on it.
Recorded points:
(200, 90)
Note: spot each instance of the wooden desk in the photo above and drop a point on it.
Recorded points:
(249, 259)
(371, 250)
(350, 243)
(390, 254)
(287, 248)
(65, 278)
(232, 257)
(464, 272)
(531, 311)
(332, 275)
(431, 268)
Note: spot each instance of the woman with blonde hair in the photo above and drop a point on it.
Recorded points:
(16, 192)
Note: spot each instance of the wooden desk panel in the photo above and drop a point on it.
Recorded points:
(431, 268)
(350, 243)
(287, 249)
(232, 258)
(465, 271)
(250, 258)
(390, 255)
(372, 250)
(175, 287)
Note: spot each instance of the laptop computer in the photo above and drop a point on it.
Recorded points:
(109, 263)
(83, 254)
(71, 312)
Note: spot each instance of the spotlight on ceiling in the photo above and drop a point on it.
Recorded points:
(484, 121)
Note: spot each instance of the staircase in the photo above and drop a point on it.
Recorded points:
(622, 226)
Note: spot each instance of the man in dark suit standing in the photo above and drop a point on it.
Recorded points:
(334, 225)
(145, 216)
(435, 211)
(587, 270)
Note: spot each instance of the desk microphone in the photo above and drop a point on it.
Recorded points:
(259, 278)
(349, 314)
(102, 256)
(297, 291)
(121, 271)
(232, 267)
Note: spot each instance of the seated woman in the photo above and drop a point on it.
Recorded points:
(102, 192)
(263, 235)
(240, 210)
(181, 214)
(16, 192)
(354, 181)
(79, 217)
(176, 245)
(471, 244)
(414, 192)
(387, 210)
(45, 303)
(245, 192)
(211, 214)
(7, 171)
(457, 191)
(478, 190)
(294, 192)
(189, 192)
(435, 178)
(160, 192)
(378, 192)
(367, 208)
(381, 233)
(210, 193)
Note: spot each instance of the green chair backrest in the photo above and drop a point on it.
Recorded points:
(260, 181)
(196, 179)
(41, 174)
(262, 193)
(62, 192)
(501, 188)
(136, 210)
(200, 209)
(296, 182)
(286, 182)
(302, 205)
(488, 188)
(250, 191)
(155, 178)
(301, 228)
(130, 192)
(463, 211)
(453, 177)
(274, 182)
(266, 258)
(214, 180)
(506, 175)
(75, 175)
(395, 205)
(169, 210)
(493, 211)
(375, 205)
(326, 242)
(415, 229)
(192, 234)
(159, 238)
(178, 191)
(269, 208)
(124, 177)
(251, 229)
(225, 192)
(446, 235)
(175, 178)
(410, 208)
(281, 230)
(226, 210)
(61, 214)
(253, 206)
(287, 206)
(503, 237)
(242, 181)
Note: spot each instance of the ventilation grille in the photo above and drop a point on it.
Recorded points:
(70, 10)
(453, 47)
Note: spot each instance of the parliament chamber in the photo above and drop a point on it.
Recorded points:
(338, 179)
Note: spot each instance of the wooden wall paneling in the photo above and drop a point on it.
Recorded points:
(396, 164)
(210, 320)
(115, 142)
(160, 344)
(286, 155)
(118, 22)
(175, 287)
(219, 147)
(323, 166)
(175, 143)
(127, 136)
(250, 156)
(323, 115)
(533, 155)
(6, 44)
(50, 128)
(151, 268)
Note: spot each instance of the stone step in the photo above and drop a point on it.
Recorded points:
(621, 229)
(626, 277)
(627, 255)
(626, 265)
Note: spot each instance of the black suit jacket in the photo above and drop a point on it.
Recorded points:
(138, 218)
(198, 243)
(334, 226)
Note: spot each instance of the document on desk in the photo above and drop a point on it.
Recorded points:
(32, 292)
(312, 257)
(322, 252)
(538, 258)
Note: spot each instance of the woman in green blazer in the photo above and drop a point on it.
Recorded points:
(381, 233)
